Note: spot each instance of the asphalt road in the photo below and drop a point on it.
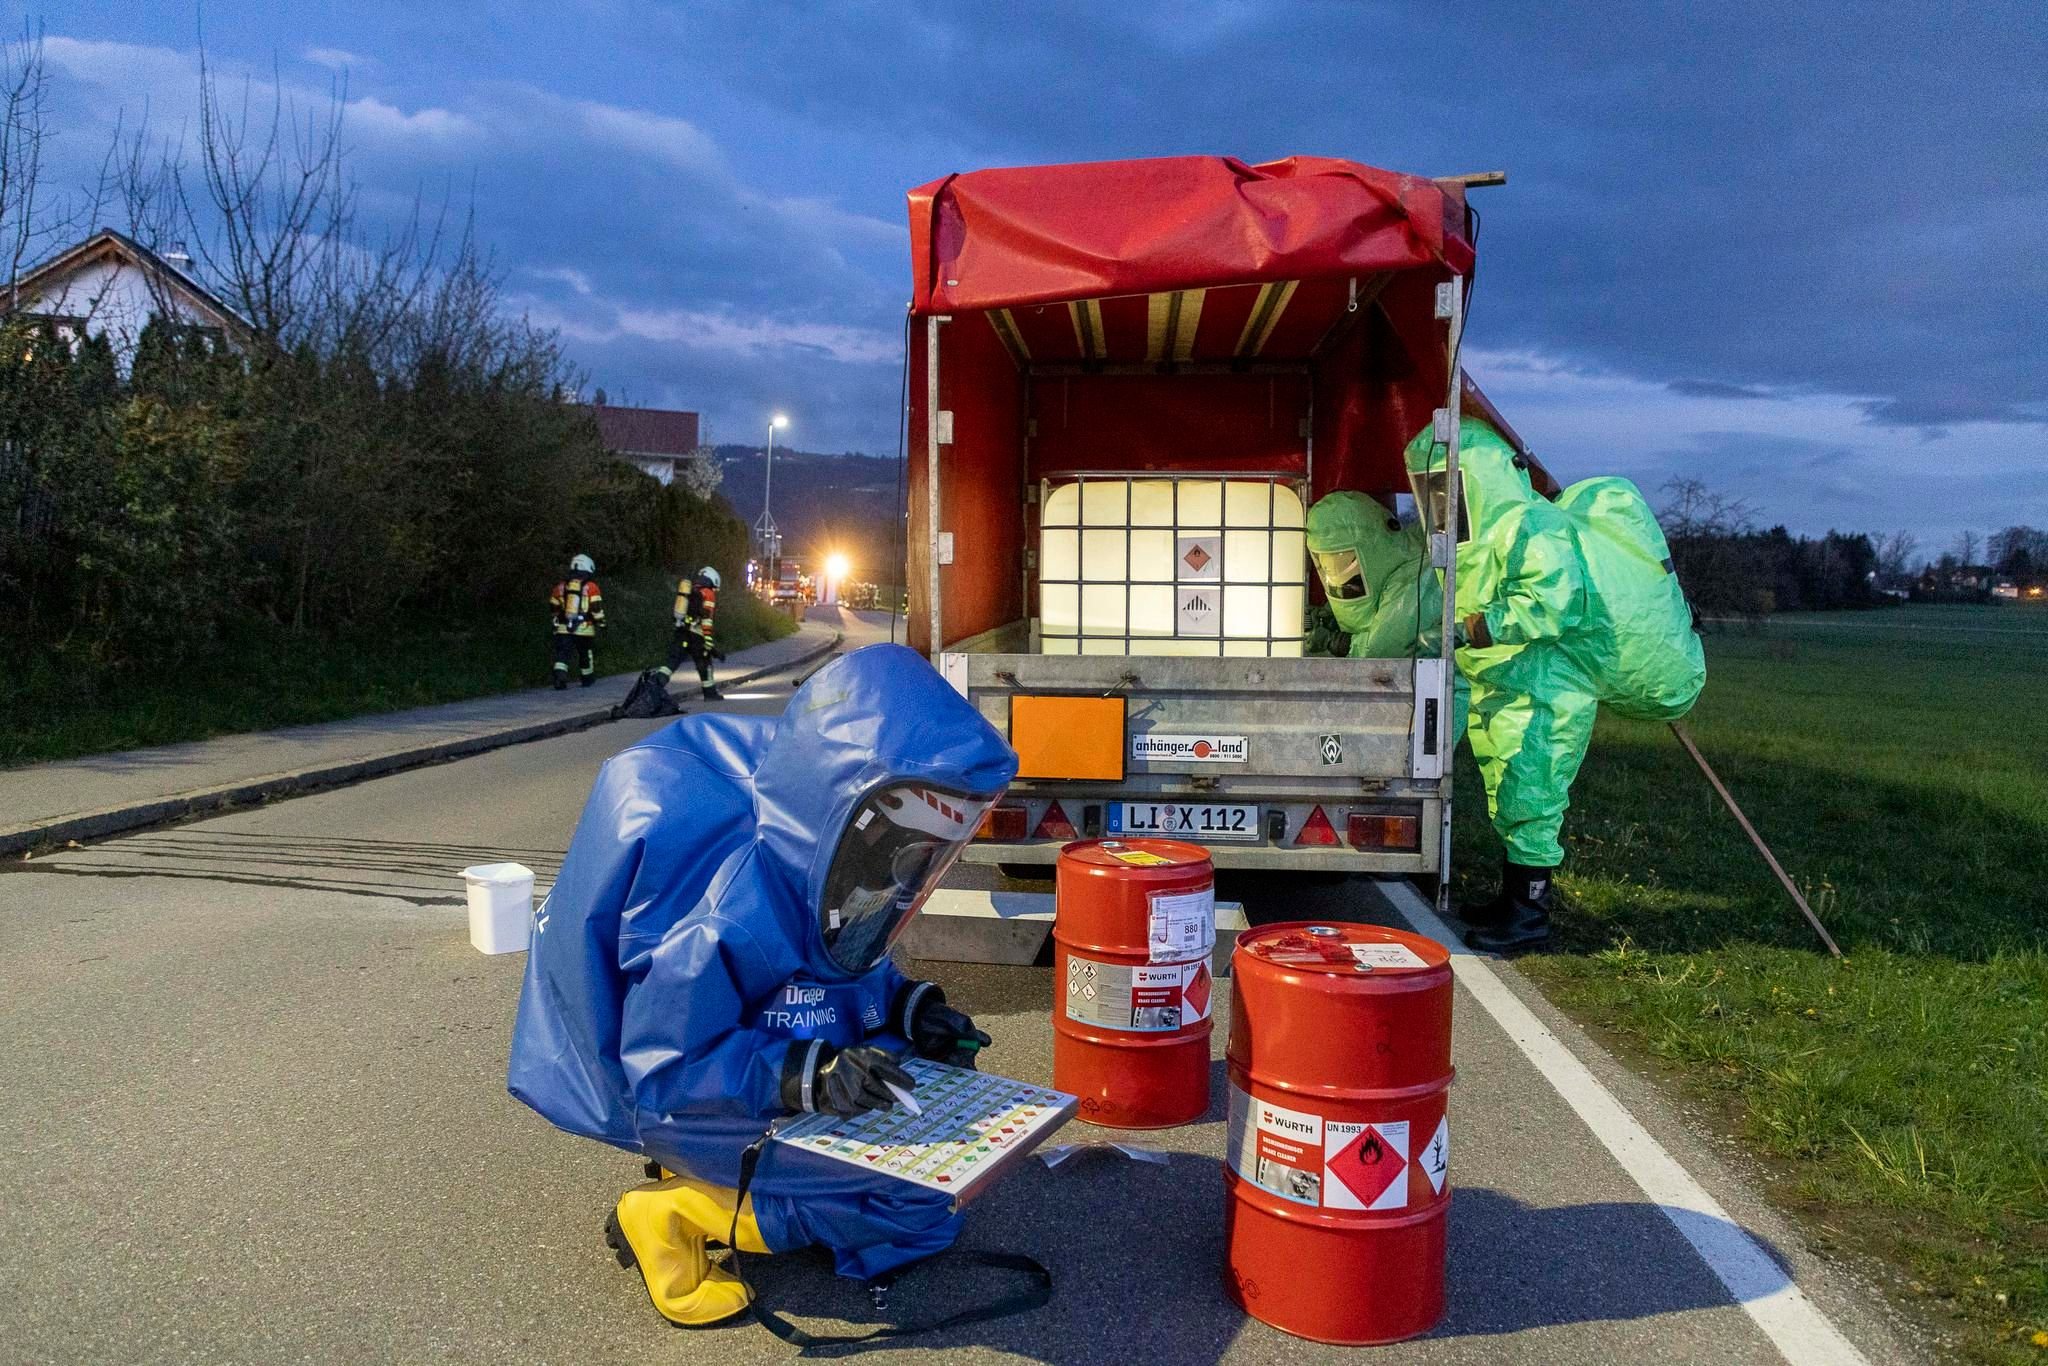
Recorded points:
(252, 1109)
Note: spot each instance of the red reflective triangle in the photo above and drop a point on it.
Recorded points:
(1055, 826)
(1317, 829)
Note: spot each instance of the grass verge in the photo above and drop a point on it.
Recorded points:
(271, 678)
(1895, 761)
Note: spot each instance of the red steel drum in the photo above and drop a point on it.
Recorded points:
(1132, 933)
(1337, 1180)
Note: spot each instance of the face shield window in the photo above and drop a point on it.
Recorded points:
(896, 849)
(1340, 573)
(1432, 498)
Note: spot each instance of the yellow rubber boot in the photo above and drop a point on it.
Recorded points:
(663, 1227)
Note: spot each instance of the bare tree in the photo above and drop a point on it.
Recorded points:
(1966, 547)
(1705, 530)
(2021, 551)
(270, 213)
(1692, 510)
(32, 220)
(1895, 558)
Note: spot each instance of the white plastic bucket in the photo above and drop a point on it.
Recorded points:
(500, 906)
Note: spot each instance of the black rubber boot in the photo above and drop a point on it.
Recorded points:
(1491, 911)
(1526, 924)
(561, 681)
(712, 694)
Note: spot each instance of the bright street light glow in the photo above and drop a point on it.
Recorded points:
(779, 420)
(836, 567)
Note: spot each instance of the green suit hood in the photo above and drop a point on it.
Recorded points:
(1494, 480)
(1351, 521)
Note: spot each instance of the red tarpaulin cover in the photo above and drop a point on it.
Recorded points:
(1039, 234)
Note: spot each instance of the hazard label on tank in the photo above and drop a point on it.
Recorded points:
(1366, 1165)
(1276, 1149)
(1436, 1158)
(1150, 998)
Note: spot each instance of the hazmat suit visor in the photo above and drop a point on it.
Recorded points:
(1341, 573)
(897, 848)
(1433, 501)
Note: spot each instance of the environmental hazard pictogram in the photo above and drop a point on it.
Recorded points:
(1436, 1158)
(1366, 1165)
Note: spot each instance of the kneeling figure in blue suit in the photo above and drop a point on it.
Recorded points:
(715, 955)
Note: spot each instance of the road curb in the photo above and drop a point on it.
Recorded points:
(114, 820)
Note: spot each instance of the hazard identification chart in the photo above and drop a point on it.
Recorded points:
(1331, 1164)
(973, 1126)
(1139, 997)
(1181, 925)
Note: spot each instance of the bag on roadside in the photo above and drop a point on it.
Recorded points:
(649, 696)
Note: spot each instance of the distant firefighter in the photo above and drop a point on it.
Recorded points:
(578, 605)
(696, 601)
(1562, 607)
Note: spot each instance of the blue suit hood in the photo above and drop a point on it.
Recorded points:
(876, 716)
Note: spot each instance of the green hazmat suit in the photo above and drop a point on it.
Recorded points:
(1577, 605)
(1374, 574)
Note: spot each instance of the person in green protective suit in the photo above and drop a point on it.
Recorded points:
(1372, 570)
(1561, 607)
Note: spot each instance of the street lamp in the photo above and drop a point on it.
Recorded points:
(764, 529)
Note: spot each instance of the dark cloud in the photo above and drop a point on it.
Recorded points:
(1731, 202)
(1712, 388)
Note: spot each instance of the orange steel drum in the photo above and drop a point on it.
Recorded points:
(1337, 1180)
(1132, 933)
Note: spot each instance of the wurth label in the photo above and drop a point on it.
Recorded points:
(1366, 1165)
(1147, 999)
(1276, 1148)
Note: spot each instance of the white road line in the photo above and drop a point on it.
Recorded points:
(1796, 1327)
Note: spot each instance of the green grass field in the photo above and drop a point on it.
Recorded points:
(1898, 763)
(275, 679)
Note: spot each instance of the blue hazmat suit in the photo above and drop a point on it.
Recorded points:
(680, 967)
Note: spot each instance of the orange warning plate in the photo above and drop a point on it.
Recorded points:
(1068, 737)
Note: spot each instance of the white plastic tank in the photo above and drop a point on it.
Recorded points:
(1171, 566)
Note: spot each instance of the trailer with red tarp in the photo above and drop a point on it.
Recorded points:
(1127, 381)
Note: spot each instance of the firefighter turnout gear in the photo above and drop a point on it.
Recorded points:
(696, 602)
(578, 606)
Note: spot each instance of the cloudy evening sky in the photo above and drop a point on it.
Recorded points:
(1798, 250)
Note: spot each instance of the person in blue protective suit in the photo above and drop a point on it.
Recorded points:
(714, 956)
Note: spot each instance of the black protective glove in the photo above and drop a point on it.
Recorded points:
(943, 1034)
(843, 1081)
(718, 654)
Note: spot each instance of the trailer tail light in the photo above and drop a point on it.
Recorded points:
(1375, 830)
(1317, 830)
(1055, 825)
(1007, 821)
